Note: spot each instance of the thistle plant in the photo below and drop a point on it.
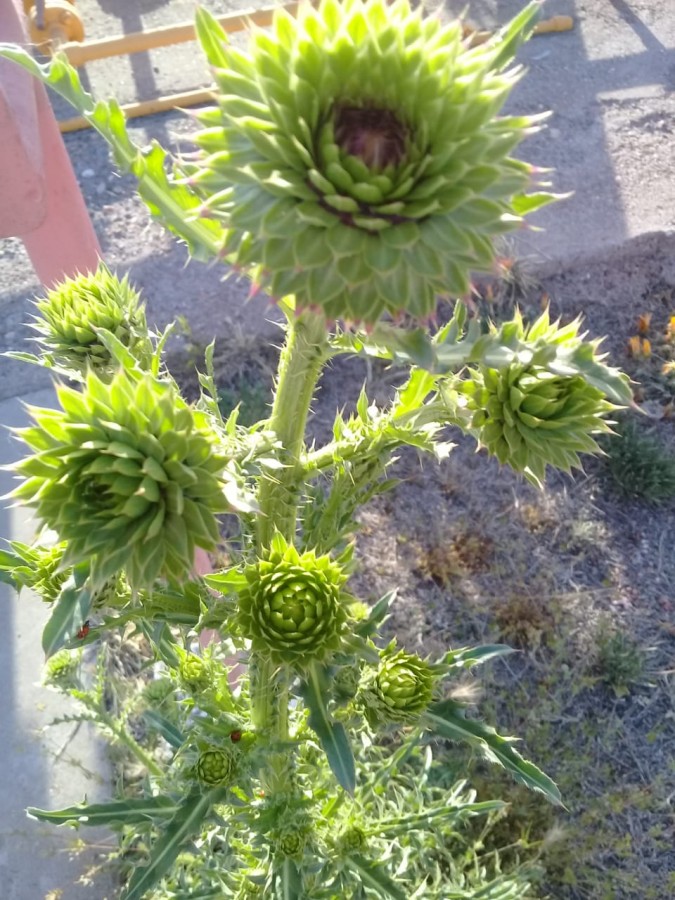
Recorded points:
(356, 166)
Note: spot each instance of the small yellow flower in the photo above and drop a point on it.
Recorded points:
(670, 329)
(639, 347)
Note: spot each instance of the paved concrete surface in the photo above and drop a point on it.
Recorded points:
(47, 769)
(610, 85)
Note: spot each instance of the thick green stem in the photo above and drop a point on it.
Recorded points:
(302, 359)
(125, 738)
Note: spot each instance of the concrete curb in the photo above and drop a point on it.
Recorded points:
(47, 769)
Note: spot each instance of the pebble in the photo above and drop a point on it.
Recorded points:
(88, 173)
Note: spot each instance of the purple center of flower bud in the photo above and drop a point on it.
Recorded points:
(375, 136)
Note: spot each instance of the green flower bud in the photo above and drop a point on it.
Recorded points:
(351, 840)
(194, 673)
(531, 417)
(114, 592)
(346, 681)
(292, 841)
(292, 608)
(48, 577)
(126, 474)
(249, 890)
(216, 767)
(356, 158)
(76, 309)
(158, 692)
(62, 669)
(400, 691)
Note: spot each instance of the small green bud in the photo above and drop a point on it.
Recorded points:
(75, 310)
(249, 890)
(194, 673)
(292, 841)
(158, 692)
(346, 681)
(351, 840)
(530, 417)
(62, 669)
(405, 685)
(400, 691)
(48, 578)
(216, 767)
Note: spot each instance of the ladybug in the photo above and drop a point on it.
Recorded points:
(235, 736)
(83, 631)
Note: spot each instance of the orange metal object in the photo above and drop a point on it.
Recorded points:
(147, 107)
(62, 24)
(135, 42)
(548, 26)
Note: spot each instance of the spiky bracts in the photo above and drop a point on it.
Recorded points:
(126, 473)
(292, 608)
(216, 767)
(73, 313)
(400, 690)
(532, 416)
(356, 158)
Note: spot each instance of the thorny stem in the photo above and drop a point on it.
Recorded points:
(121, 734)
(302, 359)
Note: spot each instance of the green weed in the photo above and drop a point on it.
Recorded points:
(638, 465)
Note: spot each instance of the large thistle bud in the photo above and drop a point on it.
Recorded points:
(72, 314)
(529, 416)
(291, 608)
(356, 158)
(401, 690)
(126, 473)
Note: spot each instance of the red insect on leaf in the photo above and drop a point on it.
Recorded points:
(83, 631)
(235, 736)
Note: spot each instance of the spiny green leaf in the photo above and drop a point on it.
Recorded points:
(332, 735)
(468, 657)
(172, 735)
(186, 821)
(69, 613)
(288, 881)
(375, 877)
(448, 719)
(122, 812)
(174, 202)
